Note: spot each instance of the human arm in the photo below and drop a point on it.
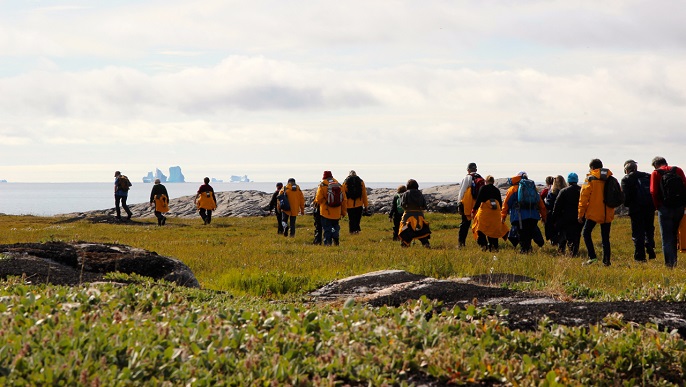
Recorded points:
(584, 200)
(466, 183)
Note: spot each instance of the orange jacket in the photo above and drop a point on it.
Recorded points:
(296, 200)
(359, 202)
(326, 211)
(525, 214)
(591, 202)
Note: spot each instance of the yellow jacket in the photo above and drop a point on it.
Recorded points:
(206, 200)
(296, 200)
(359, 202)
(326, 211)
(591, 202)
(161, 203)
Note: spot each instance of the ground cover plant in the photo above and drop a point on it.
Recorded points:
(253, 324)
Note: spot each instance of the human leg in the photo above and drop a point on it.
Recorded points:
(203, 215)
(117, 200)
(292, 226)
(327, 228)
(317, 227)
(638, 236)
(588, 240)
(396, 226)
(354, 219)
(279, 226)
(649, 227)
(481, 240)
(465, 226)
(669, 219)
(126, 208)
(605, 238)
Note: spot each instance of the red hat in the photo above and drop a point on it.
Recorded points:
(327, 175)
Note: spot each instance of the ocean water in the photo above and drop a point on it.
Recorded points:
(47, 199)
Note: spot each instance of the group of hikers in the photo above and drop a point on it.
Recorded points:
(567, 210)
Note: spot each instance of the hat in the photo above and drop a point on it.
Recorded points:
(327, 175)
(471, 166)
(572, 178)
(117, 173)
(522, 173)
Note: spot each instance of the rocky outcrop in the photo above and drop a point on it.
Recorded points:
(74, 263)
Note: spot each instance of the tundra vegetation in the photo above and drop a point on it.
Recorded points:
(253, 323)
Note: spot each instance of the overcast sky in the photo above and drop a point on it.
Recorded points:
(392, 89)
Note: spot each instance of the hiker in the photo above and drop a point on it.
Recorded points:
(122, 184)
(356, 194)
(487, 226)
(549, 180)
(668, 189)
(332, 207)
(318, 232)
(296, 203)
(469, 190)
(593, 210)
(413, 225)
(552, 232)
(273, 207)
(639, 201)
(206, 201)
(396, 213)
(565, 215)
(524, 205)
(159, 200)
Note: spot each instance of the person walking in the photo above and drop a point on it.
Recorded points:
(551, 231)
(396, 213)
(317, 218)
(159, 200)
(668, 190)
(639, 201)
(487, 226)
(413, 225)
(525, 207)
(274, 207)
(206, 201)
(332, 203)
(122, 184)
(469, 190)
(593, 210)
(356, 194)
(296, 202)
(565, 215)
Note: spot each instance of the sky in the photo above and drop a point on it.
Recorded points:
(392, 89)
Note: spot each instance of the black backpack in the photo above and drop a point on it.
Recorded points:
(354, 187)
(643, 197)
(613, 196)
(672, 187)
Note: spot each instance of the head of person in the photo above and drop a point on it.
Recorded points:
(279, 185)
(523, 175)
(489, 180)
(157, 181)
(291, 181)
(327, 175)
(658, 162)
(117, 174)
(549, 180)
(471, 167)
(352, 173)
(402, 188)
(558, 183)
(630, 166)
(595, 164)
(572, 178)
(206, 180)
(412, 184)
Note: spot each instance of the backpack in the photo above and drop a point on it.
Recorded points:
(672, 187)
(527, 194)
(398, 205)
(124, 183)
(643, 196)
(477, 183)
(284, 205)
(334, 194)
(613, 196)
(354, 187)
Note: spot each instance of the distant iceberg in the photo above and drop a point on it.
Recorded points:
(239, 179)
(175, 176)
(3, 181)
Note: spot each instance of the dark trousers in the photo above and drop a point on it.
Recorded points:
(396, 225)
(317, 226)
(465, 227)
(331, 230)
(529, 231)
(669, 219)
(160, 218)
(486, 242)
(354, 217)
(605, 236)
(122, 199)
(279, 226)
(570, 236)
(643, 234)
(206, 215)
(289, 229)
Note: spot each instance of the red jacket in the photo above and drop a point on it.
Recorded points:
(655, 177)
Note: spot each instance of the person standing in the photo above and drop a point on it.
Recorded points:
(356, 194)
(296, 202)
(159, 200)
(525, 207)
(122, 184)
(565, 215)
(469, 190)
(668, 190)
(486, 214)
(593, 210)
(317, 217)
(413, 224)
(331, 199)
(396, 213)
(639, 201)
(206, 201)
(551, 231)
(274, 207)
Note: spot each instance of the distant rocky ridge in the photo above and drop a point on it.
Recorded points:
(245, 203)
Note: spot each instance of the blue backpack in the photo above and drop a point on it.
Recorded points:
(527, 196)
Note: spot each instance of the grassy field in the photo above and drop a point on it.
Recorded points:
(157, 334)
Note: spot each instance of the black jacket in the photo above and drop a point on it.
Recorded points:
(566, 208)
(158, 189)
(630, 187)
(413, 200)
(486, 193)
(272, 203)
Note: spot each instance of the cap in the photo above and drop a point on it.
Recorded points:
(572, 178)
(327, 175)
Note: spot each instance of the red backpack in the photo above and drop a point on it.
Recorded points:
(334, 194)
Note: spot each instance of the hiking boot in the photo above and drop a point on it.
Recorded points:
(606, 262)
(651, 254)
(164, 220)
(336, 242)
(590, 261)
(426, 245)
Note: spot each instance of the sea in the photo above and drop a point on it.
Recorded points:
(49, 199)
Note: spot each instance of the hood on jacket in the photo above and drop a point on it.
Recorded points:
(514, 180)
(600, 171)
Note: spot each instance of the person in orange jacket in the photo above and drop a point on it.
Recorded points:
(206, 201)
(296, 201)
(524, 216)
(592, 210)
(356, 200)
(332, 203)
